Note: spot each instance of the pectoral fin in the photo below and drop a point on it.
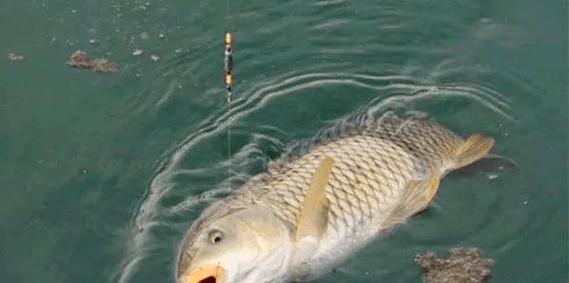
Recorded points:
(416, 198)
(314, 212)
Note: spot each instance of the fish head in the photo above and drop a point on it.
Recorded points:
(248, 245)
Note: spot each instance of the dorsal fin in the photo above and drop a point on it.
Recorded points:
(313, 214)
(355, 124)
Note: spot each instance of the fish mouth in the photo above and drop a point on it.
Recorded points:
(206, 274)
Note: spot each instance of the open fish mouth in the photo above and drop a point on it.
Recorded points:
(206, 274)
(210, 279)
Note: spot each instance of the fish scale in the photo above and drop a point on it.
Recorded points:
(373, 166)
(323, 200)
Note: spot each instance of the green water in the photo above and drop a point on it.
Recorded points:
(101, 174)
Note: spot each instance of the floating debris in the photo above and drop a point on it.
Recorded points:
(80, 60)
(15, 57)
(465, 265)
(144, 36)
(92, 41)
(143, 7)
(179, 50)
(154, 57)
(493, 176)
(161, 36)
(70, 42)
(137, 52)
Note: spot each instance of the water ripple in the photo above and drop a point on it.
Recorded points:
(392, 91)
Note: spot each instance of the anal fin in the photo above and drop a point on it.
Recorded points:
(416, 198)
(472, 149)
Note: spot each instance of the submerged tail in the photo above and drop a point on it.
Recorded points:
(474, 148)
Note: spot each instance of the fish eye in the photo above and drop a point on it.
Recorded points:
(215, 236)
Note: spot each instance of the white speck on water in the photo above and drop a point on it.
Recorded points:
(493, 176)
(144, 36)
(92, 41)
(84, 171)
(161, 36)
(178, 50)
(73, 11)
(137, 52)
(15, 57)
(506, 134)
(525, 202)
(154, 57)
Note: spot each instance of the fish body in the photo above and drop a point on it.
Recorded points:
(374, 175)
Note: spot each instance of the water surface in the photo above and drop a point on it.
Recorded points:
(103, 173)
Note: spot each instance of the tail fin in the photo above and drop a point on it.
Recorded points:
(474, 148)
(489, 164)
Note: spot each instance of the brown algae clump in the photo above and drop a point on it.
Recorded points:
(465, 265)
(80, 60)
